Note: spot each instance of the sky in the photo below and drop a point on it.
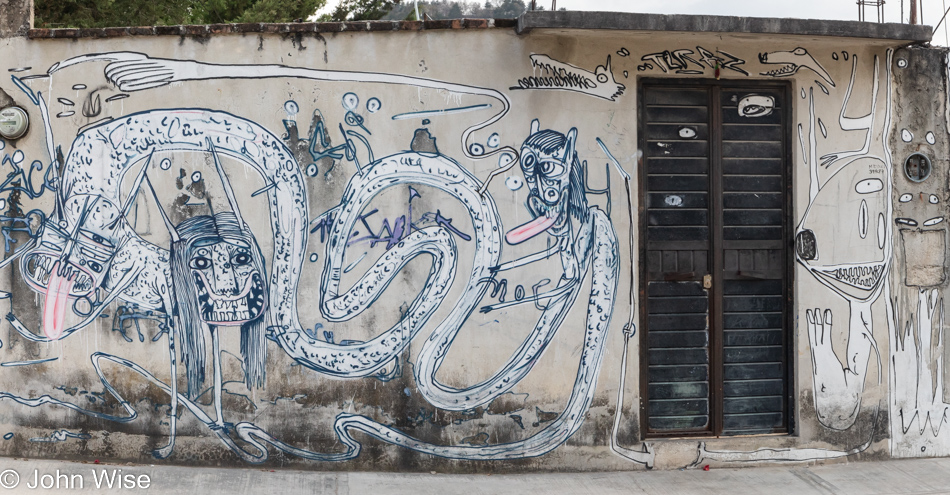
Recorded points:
(847, 10)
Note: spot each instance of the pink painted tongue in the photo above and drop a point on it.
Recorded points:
(57, 298)
(524, 232)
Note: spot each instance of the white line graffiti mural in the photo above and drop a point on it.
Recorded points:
(214, 278)
(915, 293)
(857, 273)
(416, 269)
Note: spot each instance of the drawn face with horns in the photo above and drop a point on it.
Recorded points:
(226, 267)
(555, 184)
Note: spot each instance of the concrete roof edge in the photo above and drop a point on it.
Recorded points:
(721, 24)
(203, 30)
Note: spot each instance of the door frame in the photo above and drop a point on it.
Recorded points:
(715, 325)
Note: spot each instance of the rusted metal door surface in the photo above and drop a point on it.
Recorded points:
(715, 245)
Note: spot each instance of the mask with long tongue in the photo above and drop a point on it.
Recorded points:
(57, 299)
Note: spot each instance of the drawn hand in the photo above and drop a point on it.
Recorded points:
(819, 336)
(829, 377)
(132, 71)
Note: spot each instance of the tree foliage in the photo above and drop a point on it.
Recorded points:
(457, 9)
(361, 10)
(364, 10)
(113, 13)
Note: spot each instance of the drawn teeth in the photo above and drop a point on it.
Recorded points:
(42, 269)
(859, 276)
(784, 70)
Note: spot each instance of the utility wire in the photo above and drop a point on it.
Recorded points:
(941, 22)
(946, 35)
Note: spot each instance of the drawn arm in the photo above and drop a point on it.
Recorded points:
(838, 388)
(531, 258)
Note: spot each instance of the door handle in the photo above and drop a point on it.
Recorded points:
(707, 281)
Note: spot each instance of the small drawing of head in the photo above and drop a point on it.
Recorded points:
(791, 61)
(756, 106)
(555, 182)
(218, 277)
(607, 87)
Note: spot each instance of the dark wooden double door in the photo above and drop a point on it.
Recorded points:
(715, 270)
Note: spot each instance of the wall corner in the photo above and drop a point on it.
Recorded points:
(16, 18)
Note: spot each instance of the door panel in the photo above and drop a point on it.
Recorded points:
(715, 230)
(753, 278)
(677, 177)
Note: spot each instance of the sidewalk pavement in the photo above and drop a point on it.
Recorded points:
(917, 476)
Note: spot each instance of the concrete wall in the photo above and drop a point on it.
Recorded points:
(341, 201)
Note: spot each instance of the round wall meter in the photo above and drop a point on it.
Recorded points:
(13, 122)
(917, 167)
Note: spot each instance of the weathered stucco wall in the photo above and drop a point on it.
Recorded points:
(341, 225)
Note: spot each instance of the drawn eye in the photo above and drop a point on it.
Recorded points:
(906, 221)
(933, 221)
(868, 186)
(905, 198)
(528, 161)
(552, 168)
(934, 199)
(373, 105)
(241, 259)
(96, 267)
(800, 51)
(96, 238)
(200, 263)
(602, 78)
